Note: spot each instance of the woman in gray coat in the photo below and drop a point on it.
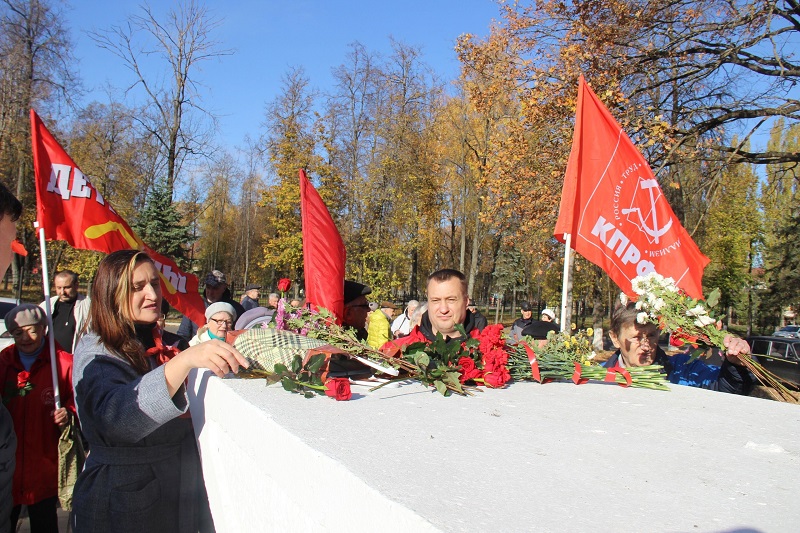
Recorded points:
(143, 470)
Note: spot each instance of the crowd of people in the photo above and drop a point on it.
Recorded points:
(120, 377)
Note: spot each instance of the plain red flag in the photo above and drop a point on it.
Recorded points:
(323, 251)
(69, 208)
(614, 208)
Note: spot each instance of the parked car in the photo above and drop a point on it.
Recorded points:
(6, 305)
(779, 355)
(788, 331)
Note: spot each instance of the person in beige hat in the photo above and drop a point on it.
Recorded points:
(25, 372)
(380, 320)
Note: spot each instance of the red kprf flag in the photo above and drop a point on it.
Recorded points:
(323, 252)
(614, 208)
(69, 208)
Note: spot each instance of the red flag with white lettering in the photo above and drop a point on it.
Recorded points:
(323, 251)
(69, 208)
(614, 208)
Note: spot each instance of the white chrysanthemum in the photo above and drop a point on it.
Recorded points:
(641, 304)
(592, 356)
(623, 298)
(703, 321)
(658, 304)
(641, 318)
(697, 310)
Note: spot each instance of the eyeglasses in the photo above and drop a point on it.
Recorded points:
(643, 339)
(221, 321)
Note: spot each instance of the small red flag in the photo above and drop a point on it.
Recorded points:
(614, 208)
(18, 248)
(69, 208)
(323, 252)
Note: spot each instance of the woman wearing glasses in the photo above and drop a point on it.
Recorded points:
(637, 345)
(220, 316)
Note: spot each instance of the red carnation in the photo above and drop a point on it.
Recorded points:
(284, 284)
(468, 369)
(497, 377)
(338, 388)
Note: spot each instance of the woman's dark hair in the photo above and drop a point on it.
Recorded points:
(623, 315)
(110, 314)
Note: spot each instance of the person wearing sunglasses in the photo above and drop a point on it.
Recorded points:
(220, 317)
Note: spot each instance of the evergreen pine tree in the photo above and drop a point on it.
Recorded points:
(160, 226)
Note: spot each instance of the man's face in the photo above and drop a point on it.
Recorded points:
(273, 301)
(214, 294)
(447, 306)
(355, 313)
(527, 314)
(637, 343)
(253, 293)
(66, 289)
(8, 232)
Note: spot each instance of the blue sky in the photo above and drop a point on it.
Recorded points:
(270, 36)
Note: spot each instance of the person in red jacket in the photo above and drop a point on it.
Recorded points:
(27, 381)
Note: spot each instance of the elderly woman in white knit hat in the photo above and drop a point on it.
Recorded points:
(27, 381)
(220, 317)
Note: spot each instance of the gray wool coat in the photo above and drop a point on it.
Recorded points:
(143, 471)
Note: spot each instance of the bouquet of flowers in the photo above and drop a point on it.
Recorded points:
(458, 367)
(689, 320)
(570, 357)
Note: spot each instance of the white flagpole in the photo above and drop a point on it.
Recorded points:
(49, 313)
(567, 241)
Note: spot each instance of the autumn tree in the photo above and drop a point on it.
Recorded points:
(289, 145)
(165, 57)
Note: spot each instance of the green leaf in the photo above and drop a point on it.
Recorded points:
(309, 394)
(422, 360)
(297, 364)
(697, 353)
(280, 368)
(713, 298)
(288, 384)
(441, 387)
(315, 363)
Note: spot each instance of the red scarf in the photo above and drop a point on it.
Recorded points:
(159, 351)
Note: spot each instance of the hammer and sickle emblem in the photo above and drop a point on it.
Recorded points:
(654, 231)
(98, 230)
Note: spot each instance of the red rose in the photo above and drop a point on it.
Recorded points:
(22, 379)
(338, 388)
(284, 284)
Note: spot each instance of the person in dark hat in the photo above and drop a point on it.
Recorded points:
(27, 377)
(216, 290)
(251, 294)
(538, 329)
(356, 307)
(521, 323)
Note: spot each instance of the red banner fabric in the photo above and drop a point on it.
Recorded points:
(614, 208)
(69, 208)
(323, 252)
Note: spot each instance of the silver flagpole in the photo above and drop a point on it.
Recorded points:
(567, 240)
(49, 313)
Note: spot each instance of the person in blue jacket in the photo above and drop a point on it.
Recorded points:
(637, 345)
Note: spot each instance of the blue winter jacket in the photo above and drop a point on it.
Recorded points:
(729, 378)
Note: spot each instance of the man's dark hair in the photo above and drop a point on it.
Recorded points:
(446, 274)
(64, 273)
(9, 205)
